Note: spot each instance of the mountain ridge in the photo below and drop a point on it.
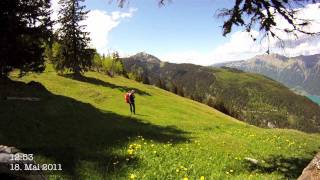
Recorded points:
(300, 72)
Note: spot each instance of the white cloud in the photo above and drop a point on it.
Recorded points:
(241, 46)
(99, 24)
(193, 57)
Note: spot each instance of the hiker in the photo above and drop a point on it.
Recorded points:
(130, 99)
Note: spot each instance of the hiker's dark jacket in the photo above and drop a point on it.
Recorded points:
(131, 98)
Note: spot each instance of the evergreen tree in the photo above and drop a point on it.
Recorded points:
(25, 26)
(74, 53)
(117, 64)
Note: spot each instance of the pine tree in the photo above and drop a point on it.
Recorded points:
(74, 54)
(24, 27)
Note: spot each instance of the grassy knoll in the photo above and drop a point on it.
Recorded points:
(84, 124)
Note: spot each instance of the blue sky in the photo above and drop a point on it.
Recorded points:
(183, 31)
(178, 26)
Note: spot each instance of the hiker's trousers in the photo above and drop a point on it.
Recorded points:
(132, 108)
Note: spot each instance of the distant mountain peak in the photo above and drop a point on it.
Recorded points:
(143, 56)
(273, 56)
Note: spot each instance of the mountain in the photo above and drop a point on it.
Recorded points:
(249, 97)
(301, 73)
(84, 124)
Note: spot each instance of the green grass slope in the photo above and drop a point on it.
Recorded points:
(84, 124)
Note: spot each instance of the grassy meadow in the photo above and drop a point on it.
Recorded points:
(85, 124)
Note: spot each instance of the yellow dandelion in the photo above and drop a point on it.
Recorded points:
(202, 178)
(185, 178)
(132, 176)
(130, 151)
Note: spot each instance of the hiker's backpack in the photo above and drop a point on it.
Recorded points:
(127, 97)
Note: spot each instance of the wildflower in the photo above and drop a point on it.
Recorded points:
(132, 176)
(152, 145)
(185, 178)
(154, 152)
(177, 170)
(202, 178)
(130, 151)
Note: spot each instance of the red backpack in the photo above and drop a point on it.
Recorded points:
(127, 97)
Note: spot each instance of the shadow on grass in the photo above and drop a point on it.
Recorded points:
(99, 82)
(70, 132)
(289, 167)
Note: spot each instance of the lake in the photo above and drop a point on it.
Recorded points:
(315, 99)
